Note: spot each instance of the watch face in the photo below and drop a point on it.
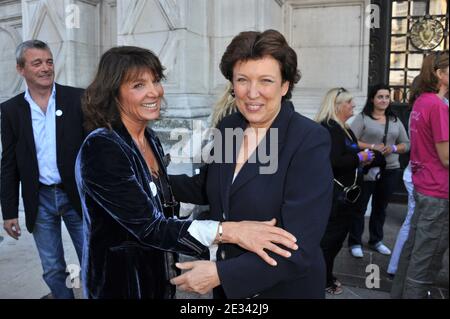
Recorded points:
(426, 34)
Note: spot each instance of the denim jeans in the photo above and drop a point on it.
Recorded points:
(54, 205)
(404, 230)
(380, 191)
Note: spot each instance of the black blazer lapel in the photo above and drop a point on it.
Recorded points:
(157, 149)
(25, 113)
(226, 169)
(225, 177)
(60, 115)
(248, 171)
(123, 133)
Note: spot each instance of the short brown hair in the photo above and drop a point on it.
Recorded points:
(254, 45)
(117, 65)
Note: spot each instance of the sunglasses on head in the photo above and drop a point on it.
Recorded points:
(341, 90)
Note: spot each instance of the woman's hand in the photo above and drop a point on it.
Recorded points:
(387, 150)
(367, 157)
(257, 236)
(378, 147)
(201, 278)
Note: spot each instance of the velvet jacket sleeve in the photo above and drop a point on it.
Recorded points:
(111, 176)
(9, 188)
(305, 211)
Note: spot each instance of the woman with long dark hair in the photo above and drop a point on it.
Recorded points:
(377, 128)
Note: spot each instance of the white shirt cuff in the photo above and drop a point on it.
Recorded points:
(213, 252)
(204, 231)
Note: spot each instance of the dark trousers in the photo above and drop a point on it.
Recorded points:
(381, 192)
(422, 254)
(339, 223)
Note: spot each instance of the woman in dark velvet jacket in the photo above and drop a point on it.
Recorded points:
(129, 229)
(346, 160)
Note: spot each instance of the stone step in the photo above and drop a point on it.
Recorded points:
(355, 272)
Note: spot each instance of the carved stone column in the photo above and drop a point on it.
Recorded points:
(176, 30)
(190, 36)
(10, 37)
(74, 29)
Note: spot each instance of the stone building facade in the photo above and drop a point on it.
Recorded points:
(331, 38)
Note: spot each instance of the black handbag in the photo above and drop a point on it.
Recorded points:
(349, 194)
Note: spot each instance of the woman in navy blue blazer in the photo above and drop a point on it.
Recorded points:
(280, 169)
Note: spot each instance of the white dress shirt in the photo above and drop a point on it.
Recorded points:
(44, 132)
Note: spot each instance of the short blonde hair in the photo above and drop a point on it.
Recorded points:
(330, 107)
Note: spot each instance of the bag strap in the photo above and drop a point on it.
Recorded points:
(386, 127)
(354, 182)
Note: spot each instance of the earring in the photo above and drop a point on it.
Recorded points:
(232, 93)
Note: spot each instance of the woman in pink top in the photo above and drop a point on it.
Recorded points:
(427, 242)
